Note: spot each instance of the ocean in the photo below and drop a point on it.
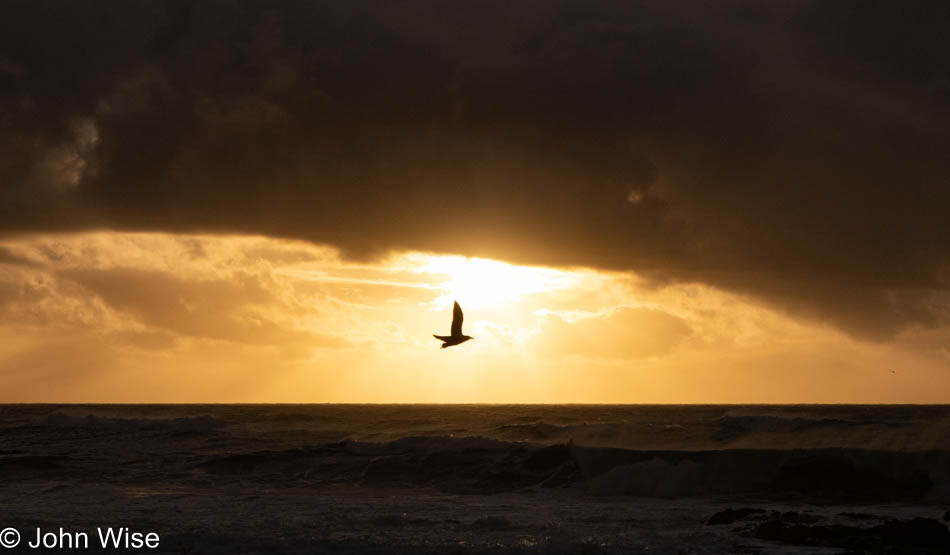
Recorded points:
(477, 478)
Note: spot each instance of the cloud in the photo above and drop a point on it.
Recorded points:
(778, 150)
(147, 317)
(151, 291)
(213, 309)
(625, 334)
(8, 257)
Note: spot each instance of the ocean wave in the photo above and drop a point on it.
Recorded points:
(11, 463)
(786, 424)
(738, 431)
(97, 421)
(463, 464)
(842, 475)
(533, 430)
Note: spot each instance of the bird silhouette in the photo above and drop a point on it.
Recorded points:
(456, 337)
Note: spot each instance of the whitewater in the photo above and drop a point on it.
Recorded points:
(484, 478)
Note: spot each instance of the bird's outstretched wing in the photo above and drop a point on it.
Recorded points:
(457, 319)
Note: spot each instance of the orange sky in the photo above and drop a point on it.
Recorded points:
(148, 317)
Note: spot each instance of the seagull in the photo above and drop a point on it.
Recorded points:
(456, 337)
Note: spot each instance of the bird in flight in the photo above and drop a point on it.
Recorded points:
(456, 337)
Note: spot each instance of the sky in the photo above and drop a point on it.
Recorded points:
(243, 201)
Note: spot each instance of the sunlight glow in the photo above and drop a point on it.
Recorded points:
(483, 283)
(152, 317)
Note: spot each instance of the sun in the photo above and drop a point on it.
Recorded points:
(483, 283)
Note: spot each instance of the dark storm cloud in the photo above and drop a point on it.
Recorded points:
(793, 151)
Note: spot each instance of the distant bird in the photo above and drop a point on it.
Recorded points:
(456, 337)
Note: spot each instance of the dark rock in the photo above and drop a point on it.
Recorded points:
(923, 535)
(831, 476)
(799, 534)
(946, 516)
(729, 516)
(918, 532)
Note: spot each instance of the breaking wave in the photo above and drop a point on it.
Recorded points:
(829, 454)
(482, 464)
